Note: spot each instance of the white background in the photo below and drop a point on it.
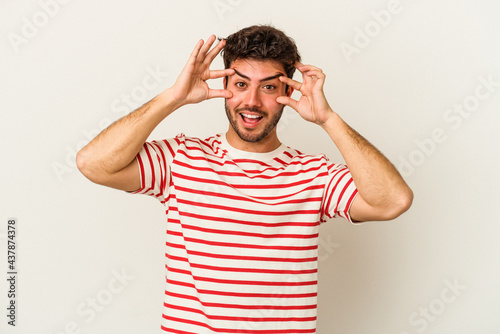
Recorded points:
(66, 75)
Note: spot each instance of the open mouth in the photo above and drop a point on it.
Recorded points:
(250, 119)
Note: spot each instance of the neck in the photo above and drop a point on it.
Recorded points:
(267, 144)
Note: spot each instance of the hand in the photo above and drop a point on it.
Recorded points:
(191, 85)
(312, 105)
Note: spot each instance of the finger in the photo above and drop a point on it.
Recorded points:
(215, 51)
(311, 74)
(208, 44)
(315, 73)
(196, 50)
(304, 69)
(308, 67)
(212, 93)
(290, 82)
(288, 101)
(214, 74)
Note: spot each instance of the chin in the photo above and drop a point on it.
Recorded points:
(254, 135)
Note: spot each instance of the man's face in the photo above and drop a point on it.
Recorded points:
(252, 110)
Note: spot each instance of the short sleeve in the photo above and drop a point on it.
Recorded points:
(154, 161)
(339, 194)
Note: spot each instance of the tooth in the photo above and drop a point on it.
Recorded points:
(251, 116)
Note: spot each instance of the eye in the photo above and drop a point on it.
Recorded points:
(269, 87)
(240, 84)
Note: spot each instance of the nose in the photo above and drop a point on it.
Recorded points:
(252, 98)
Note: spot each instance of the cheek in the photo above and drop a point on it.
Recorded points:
(235, 99)
(270, 101)
(231, 103)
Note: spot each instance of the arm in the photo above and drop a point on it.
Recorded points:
(110, 158)
(383, 194)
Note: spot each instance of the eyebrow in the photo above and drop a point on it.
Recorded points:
(261, 80)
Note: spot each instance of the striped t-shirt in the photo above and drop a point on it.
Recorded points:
(242, 233)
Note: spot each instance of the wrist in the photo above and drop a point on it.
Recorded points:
(168, 101)
(330, 121)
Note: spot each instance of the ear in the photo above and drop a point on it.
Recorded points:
(289, 91)
(224, 81)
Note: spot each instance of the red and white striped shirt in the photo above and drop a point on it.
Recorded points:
(242, 233)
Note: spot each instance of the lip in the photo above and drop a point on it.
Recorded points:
(250, 124)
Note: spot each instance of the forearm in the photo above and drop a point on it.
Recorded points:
(109, 158)
(377, 180)
(117, 146)
(382, 192)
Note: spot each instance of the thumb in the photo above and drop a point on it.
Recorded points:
(219, 93)
(288, 101)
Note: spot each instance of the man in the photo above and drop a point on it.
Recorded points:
(243, 209)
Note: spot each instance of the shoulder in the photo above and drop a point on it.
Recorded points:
(189, 146)
(295, 156)
(308, 161)
(181, 140)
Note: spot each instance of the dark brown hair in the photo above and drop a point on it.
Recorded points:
(261, 42)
